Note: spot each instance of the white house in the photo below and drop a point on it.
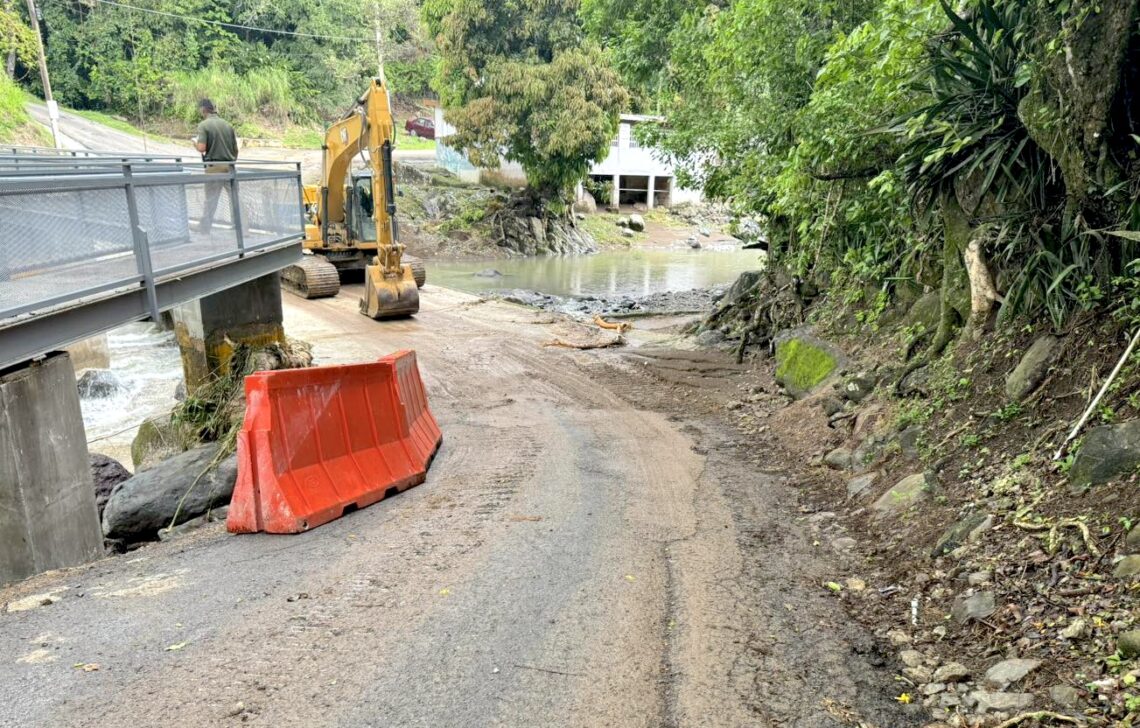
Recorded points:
(638, 175)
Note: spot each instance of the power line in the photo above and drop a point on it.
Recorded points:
(238, 26)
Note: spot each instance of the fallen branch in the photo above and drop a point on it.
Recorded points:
(612, 326)
(616, 341)
(1039, 715)
(1099, 395)
(1054, 529)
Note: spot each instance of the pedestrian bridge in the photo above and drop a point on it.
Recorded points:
(91, 241)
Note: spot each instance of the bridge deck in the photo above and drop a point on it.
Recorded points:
(90, 244)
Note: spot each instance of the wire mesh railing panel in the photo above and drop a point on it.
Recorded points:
(80, 227)
(199, 226)
(59, 243)
(270, 210)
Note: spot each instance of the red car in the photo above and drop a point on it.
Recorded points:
(420, 127)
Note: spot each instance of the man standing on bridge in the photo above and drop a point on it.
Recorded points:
(217, 142)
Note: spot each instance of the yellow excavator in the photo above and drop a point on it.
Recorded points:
(351, 216)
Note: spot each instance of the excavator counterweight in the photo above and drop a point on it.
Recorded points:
(352, 216)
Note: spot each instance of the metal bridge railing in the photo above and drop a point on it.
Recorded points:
(77, 228)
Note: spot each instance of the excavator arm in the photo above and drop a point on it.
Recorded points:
(367, 126)
(390, 285)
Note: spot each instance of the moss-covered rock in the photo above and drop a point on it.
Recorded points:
(1032, 368)
(1108, 452)
(159, 438)
(803, 363)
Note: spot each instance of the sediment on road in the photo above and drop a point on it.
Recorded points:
(593, 542)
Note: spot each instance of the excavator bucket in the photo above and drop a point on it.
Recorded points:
(389, 296)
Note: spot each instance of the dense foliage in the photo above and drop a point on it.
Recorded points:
(292, 61)
(520, 80)
(988, 148)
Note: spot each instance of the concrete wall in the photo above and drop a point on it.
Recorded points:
(48, 518)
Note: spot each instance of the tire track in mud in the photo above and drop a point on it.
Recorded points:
(758, 642)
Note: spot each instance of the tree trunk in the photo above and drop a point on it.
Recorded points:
(954, 293)
(1068, 109)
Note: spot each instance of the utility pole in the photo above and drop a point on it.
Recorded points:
(379, 45)
(52, 106)
(379, 53)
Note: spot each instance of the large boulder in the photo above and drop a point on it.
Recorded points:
(187, 485)
(744, 283)
(586, 203)
(924, 313)
(1108, 452)
(106, 472)
(98, 384)
(1031, 370)
(440, 205)
(803, 362)
(907, 492)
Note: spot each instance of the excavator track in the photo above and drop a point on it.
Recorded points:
(313, 277)
(418, 270)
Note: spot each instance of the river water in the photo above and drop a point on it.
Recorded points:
(635, 272)
(146, 360)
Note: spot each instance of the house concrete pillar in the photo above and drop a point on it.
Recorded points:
(210, 328)
(652, 192)
(48, 518)
(615, 197)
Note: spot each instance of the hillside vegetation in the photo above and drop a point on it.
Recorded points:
(16, 127)
(268, 67)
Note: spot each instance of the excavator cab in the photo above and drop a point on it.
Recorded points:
(361, 208)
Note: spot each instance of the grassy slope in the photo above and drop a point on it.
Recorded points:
(16, 127)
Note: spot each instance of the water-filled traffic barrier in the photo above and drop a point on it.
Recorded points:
(319, 441)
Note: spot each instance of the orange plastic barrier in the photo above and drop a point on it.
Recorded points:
(321, 440)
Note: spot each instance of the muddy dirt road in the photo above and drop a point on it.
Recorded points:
(593, 547)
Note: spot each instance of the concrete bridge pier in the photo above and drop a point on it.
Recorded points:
(48, 518)
(210, 328)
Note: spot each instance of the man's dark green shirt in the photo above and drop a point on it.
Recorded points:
(219, 138)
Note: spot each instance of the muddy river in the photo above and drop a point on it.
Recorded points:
(636, 272)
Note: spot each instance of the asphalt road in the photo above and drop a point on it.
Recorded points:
(583, 553)
(81, 133)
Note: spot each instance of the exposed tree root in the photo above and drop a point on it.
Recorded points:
(1054, 530)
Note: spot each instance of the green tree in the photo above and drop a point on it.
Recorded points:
(636, 35)
(17, 42)
(519, 79)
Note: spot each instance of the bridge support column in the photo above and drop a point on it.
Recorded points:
(48, 518)
(210, 328)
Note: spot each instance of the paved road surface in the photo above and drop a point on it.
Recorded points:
(82, 133)
(590, 549)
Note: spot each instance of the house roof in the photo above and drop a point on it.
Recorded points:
(641, 117)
